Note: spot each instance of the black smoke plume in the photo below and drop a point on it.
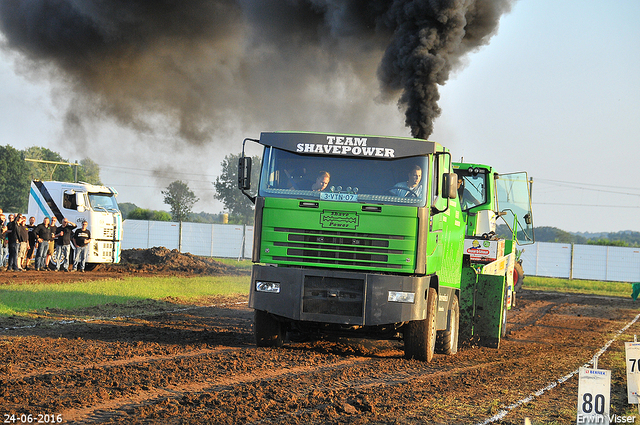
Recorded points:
(193, 65)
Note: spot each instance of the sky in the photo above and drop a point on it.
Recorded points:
(555, 93)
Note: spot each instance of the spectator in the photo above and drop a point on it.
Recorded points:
(43, 235)
(12, 243)
(52, 242)
(4, 248)
(63, 245)
(32, 242)
(81, 239)
(23, 240)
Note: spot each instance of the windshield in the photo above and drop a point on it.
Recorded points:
(514, 200)
(347, 179)
(103, 201)
(472, 188)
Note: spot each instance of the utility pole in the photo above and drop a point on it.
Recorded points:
(56, 163)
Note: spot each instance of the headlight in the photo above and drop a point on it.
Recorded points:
(273, 287)
(401, 297)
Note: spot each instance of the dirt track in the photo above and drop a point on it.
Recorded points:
(173, 363)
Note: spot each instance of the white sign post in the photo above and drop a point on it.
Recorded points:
(594, 393)
(632, 354)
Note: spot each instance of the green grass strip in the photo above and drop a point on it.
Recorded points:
(19, 300)
(29, 298)
(578, 286)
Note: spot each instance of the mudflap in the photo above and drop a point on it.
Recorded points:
(489, 306)
(481, 305)
(467, 304)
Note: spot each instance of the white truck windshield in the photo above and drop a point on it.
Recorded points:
(400, 181)
(103, 202)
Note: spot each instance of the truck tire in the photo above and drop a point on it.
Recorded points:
(268, 330)
(503, 325)
(505, 308)
(420, 335)
(518, 276)
(447, 339)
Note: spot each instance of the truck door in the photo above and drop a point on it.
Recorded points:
(436, 218)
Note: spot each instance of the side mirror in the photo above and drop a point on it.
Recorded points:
(450, 185)
(244, 173)
(80, 202)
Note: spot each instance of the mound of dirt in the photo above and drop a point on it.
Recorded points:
(160, 259)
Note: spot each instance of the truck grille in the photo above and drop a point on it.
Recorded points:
(340, 248)
(108, 232)
(333, 296)
(107, 250)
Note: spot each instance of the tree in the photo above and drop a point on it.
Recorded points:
(151, 215)
(180, 198)
(126, 208)
(14, 180)
(239, 206)
(89, 172)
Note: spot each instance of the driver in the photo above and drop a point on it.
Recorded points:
(467, 200)
(412, 187)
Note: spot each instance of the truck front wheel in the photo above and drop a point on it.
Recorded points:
(420, 335)
(518, 276)
(447, 339)
(268, 331)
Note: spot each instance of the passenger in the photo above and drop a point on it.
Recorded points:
(412, 187)
(322, 181)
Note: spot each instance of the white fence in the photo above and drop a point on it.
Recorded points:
(546, 259)
(209, 240)
(593, 262)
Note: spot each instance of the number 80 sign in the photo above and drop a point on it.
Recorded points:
(594, 390)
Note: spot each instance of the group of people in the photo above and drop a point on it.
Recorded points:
(50, 243)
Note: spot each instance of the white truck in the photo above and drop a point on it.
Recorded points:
(78, 202)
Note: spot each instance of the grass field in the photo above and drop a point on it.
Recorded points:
(594, 287)
(23, 300)
(32, 298)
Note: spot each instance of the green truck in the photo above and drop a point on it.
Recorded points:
(363, 236)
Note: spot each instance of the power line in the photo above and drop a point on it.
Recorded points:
(583, 184)
(583, 205)
(588, 186)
